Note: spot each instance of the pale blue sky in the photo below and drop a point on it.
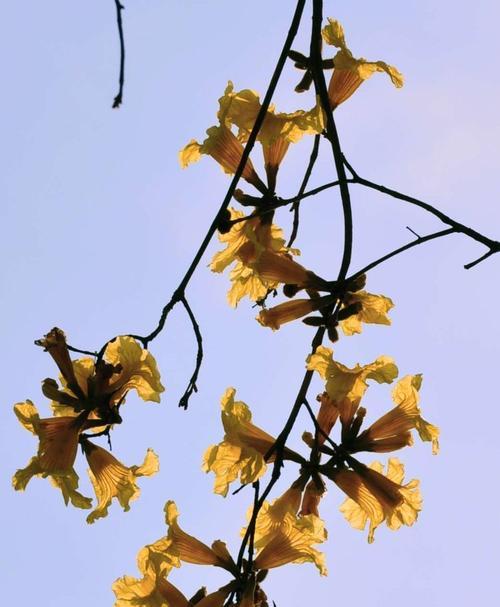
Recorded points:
(99, 224)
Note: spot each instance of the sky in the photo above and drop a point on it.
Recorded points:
(99, 223)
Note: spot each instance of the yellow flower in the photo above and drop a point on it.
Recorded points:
(349, 72)
(277, 132)
(376, 497)
(56, 452)
(292, 542)
(272, 516)
(100, 387)
(392, 430)
(291, 310)
(346, 386)
(246, 280)
(110, 478)
(225, 149)
(241, 453)
(373, 309)
(278, 129)
(149, 591)
(279, 268)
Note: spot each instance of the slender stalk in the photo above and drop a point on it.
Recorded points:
(303, 186)
(331, 133)
(416, 242)
(117, 101)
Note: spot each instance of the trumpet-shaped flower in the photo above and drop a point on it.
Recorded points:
(292, 542)
(150, 591)
(349, 73)
(292, 310)
(245, 278)
(345, 386)
(276, 133)
(242, 451)
(278, 130)
(110, 478)
(56, 452)
(392, 430)
(155, 561)
(375, 497)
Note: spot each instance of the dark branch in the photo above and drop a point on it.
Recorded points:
(117, 101)
(192, 387)
(493, 246)
(414, 243)
(331, 133)
(296, 205)
(78, 351)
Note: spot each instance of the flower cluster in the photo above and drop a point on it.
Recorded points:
(89, 397)
(372, 495)
(87, 400)
(280, 538)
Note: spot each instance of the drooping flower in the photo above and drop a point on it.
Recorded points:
(245, 278)
(100, 387)
(291, 310)
(278, 130)
(377, 497)
(292, 542)
(89, 398)
(155, 561)
(349, 73)
(56, 452)
(346, 387)
(244, 447)
(110, 478)
(150, 591)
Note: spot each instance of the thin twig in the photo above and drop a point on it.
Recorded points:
(78, 351)
(278, 448)
(251, 542)
(296, 205)
(178, 294)
(117, 101)
(493, 245)
(414, 243)
(192, 387)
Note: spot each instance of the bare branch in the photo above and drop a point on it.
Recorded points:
(117, 101)
(192, 387)
(296, 205)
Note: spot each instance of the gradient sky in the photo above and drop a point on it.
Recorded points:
(99, 223)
